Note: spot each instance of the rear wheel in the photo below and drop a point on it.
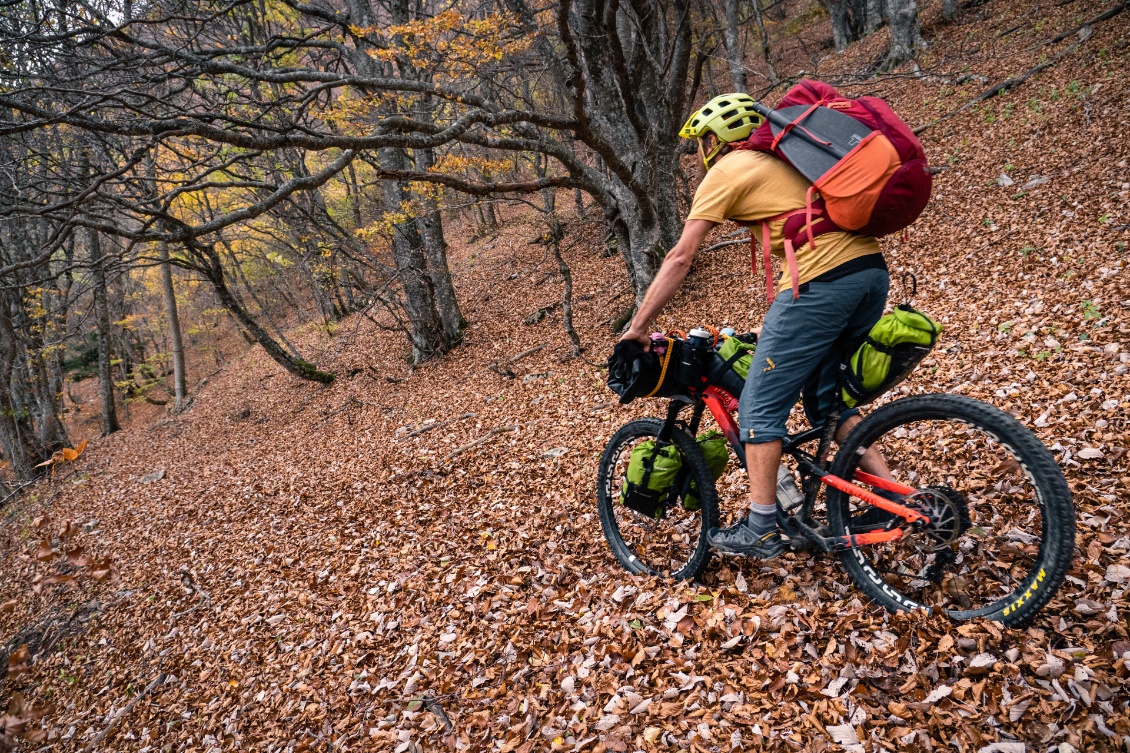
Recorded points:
(1002, 529)
(673, 545)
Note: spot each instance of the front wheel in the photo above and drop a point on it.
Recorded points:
(671, 542)
(1002, 529)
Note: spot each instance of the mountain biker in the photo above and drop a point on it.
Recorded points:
(843, 290)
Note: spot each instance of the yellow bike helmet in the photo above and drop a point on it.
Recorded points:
(727, 117)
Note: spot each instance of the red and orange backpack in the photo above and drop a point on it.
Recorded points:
(878, 187)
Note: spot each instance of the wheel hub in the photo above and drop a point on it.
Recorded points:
(948, 513)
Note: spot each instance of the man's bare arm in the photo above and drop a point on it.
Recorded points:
(671, 274)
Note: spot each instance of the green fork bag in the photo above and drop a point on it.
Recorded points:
(891, 350)
(716, 450)
(651, 478)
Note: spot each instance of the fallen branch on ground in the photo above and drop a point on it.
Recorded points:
(486, 438)
(723, 244)
(527, 352)
(504, 369)
(480, 441)
(1085, 34)
(436, 425)
(118, 717)
(1091, 22)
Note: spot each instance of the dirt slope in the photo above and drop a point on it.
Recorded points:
(303, 572)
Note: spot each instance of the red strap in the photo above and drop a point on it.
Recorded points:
(796, 124)
(808, 215)
(767, 260)
(794, 274)
(812, 220)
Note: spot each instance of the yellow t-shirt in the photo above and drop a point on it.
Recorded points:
(748, 186)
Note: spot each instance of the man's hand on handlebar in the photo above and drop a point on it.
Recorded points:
(643, 338)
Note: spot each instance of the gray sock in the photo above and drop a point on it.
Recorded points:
(762, 518)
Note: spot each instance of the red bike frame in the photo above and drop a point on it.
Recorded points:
(722, 406)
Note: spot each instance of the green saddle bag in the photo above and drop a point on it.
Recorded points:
(737, 352)
(891, 350)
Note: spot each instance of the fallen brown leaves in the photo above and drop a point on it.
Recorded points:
(319, 577)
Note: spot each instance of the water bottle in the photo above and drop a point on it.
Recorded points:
(696, 349)
(701, 338)
(788, 494)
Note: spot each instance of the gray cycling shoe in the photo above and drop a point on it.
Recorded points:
(741, 540)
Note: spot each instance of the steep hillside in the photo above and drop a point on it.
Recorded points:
(302, 568)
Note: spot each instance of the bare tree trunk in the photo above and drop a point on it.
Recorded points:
(435, 249)
(102, 322)
(426, 330)
(949, 10)
(16, 435)
(556, 233)
(906, 38)
(211, 267)
(763, 36)
(176, 343)
(874, 15)
(735, 52)
(848, 19)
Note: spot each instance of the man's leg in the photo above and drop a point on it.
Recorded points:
(822, 391)
(795, 339)
(872, 461)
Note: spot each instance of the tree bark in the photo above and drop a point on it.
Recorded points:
(875, 13)
(16, 434)
(848, 19)
(102, 322)
(435, 250)
(763, 37)
(735, 52)
(906, 37)
(176, 343)
(426, 331)
(556, 233)
(949, 10)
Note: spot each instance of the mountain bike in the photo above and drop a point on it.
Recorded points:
(978, 520)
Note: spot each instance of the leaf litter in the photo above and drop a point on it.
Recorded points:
(325, 578)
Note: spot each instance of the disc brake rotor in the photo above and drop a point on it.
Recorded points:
(948, 512)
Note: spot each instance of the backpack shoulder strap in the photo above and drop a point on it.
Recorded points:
(801, 225)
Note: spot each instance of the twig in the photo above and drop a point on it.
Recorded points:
(436, 425)
(19, 489)
(118, 717)
(723, 244)
(205, 597)
(480, 441)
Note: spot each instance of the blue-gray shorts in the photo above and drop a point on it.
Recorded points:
(801, 345)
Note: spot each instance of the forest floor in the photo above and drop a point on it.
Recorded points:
(287, 567)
